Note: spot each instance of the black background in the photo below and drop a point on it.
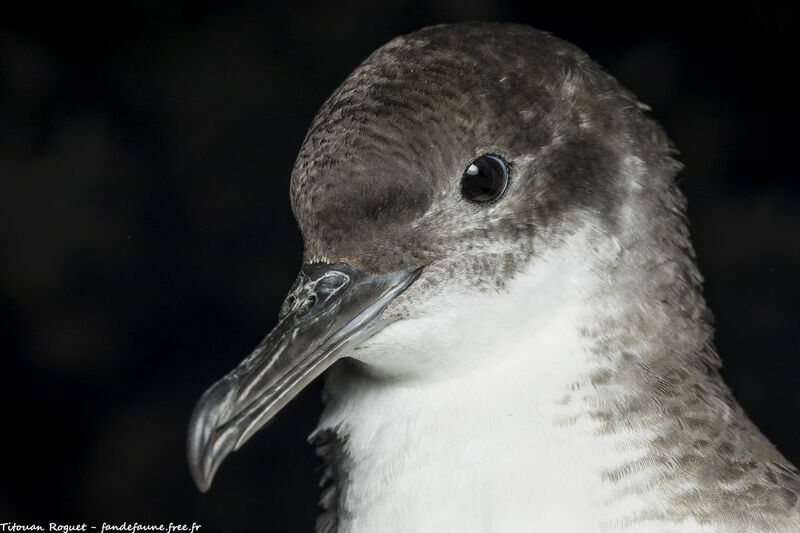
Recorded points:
(146, 239)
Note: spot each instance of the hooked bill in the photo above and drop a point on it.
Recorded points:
(329, 311)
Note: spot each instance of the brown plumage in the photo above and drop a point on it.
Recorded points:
(376, 185)
(502, 291)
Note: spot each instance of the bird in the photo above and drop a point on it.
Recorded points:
(501, 291)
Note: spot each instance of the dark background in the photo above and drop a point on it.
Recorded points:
(146, 239)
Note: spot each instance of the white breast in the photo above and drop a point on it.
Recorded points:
(490, 445)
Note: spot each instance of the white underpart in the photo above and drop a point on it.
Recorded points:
(460, 424)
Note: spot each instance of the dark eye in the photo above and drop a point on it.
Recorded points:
(484, 180)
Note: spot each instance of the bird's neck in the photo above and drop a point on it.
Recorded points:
(487, 453)
(564, 428)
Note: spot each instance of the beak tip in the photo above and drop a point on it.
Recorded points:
(196, 457)
(203, 484)
(201, 466)
(202, 444)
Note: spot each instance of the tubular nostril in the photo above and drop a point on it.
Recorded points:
(306, 306)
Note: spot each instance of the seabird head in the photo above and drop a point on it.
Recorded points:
(450, 160)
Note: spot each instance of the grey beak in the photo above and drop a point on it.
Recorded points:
(329, 311)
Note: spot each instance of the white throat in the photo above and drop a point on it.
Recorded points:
(504, 442)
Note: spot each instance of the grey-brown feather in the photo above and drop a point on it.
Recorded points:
(330, 450)
(394, 139)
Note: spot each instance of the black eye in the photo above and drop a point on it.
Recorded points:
(484, 180)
